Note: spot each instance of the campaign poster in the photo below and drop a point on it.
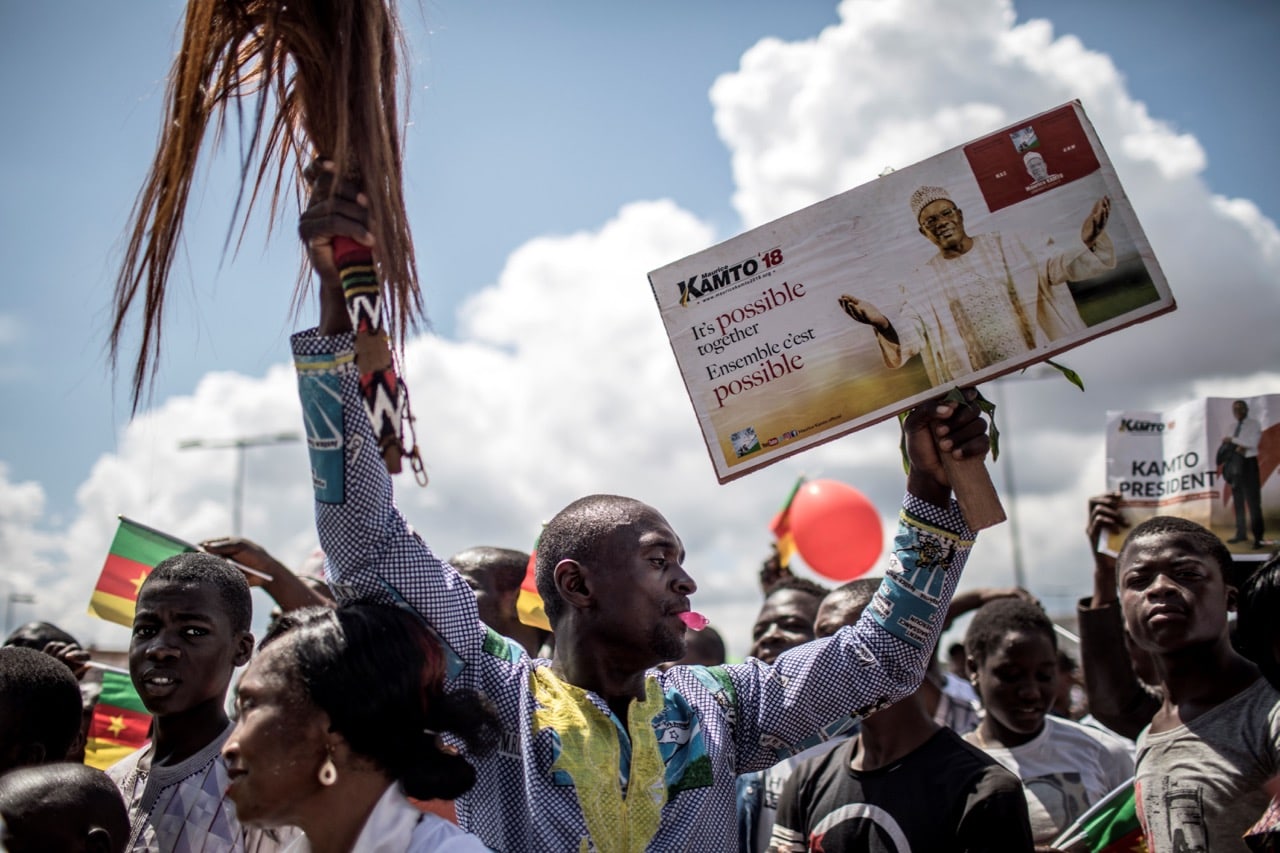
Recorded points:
(974, 263)
(1180, 462)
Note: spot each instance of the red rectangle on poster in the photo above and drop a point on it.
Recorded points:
(1026, 160)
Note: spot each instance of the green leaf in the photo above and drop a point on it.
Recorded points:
(902, 441)
(988, 408)
(1072, 377)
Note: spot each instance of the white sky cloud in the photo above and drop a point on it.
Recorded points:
(561, 381)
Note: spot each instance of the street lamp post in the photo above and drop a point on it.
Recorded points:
(1010, 486)
(239, 445)
(15, 598)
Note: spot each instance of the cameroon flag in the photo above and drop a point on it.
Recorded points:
(528, 601)
(781, 526)
(1109, 826)
(135, 551)
(120, 724)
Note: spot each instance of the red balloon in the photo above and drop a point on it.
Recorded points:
(837, 530)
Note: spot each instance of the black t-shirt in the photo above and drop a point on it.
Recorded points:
(944, 796)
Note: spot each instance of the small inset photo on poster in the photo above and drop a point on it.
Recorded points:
(745, 442)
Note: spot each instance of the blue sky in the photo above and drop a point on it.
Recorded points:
(528, 118)
(531, 122)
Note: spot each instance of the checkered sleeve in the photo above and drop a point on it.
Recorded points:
(371, 552)
(814, 692)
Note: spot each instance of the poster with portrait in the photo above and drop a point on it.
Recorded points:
(1213, 461)
(974, 263)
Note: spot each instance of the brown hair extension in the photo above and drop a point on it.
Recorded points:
(323, 77)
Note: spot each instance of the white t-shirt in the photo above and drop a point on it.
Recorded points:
(1064, 770)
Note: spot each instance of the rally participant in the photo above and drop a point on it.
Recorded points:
(1120, 687)
(903, 778)
(65, 807)
(494, 574)
(1258, 635)
(340, 717)
(1215, 741)
(190, 632)
(604, 751)
(1065, 767)
(785, 621)
(39, 708)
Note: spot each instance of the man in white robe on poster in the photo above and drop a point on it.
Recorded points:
(984, 298)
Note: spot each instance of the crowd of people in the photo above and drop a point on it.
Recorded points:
(400, 705)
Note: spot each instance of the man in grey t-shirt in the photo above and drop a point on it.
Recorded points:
(1215, 741)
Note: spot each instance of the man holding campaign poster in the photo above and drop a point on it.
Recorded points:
(985, 298)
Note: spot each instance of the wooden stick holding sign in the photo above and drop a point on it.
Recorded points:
(974, 491)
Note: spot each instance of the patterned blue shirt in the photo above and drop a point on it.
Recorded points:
(569, 775)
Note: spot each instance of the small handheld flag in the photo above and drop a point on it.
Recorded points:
(120, 723)
(781, 526)
(528, 602)
(135, 551)
(1109, 826)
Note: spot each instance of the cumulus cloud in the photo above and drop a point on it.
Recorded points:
(560, 381)
(896, 82)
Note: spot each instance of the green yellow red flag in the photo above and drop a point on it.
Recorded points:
(1109, 826)
(528, 602)
(120, 723)
(135, 551)
(781, 526)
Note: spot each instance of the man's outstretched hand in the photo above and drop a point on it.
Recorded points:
(863, 311)
(1096, 222)
(937, 427)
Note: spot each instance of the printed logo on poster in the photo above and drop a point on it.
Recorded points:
(1140, 426)
(727, 276)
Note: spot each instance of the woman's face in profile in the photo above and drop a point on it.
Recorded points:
(279, 743)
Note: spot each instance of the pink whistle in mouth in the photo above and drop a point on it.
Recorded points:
(694, 621)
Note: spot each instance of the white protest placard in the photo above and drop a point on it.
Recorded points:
(1176, 462)
(971, 264)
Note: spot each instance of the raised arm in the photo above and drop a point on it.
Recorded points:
(1094, 255)
(1117, 698)
(285, 588)
(371, 552)
(810, 691)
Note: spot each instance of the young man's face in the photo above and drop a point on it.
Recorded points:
(183, 648)
(1017, 683)
(1173, 596)
(785, 621)
(1240, 409)
(834, 613)
(642, 593)
(489, 600)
